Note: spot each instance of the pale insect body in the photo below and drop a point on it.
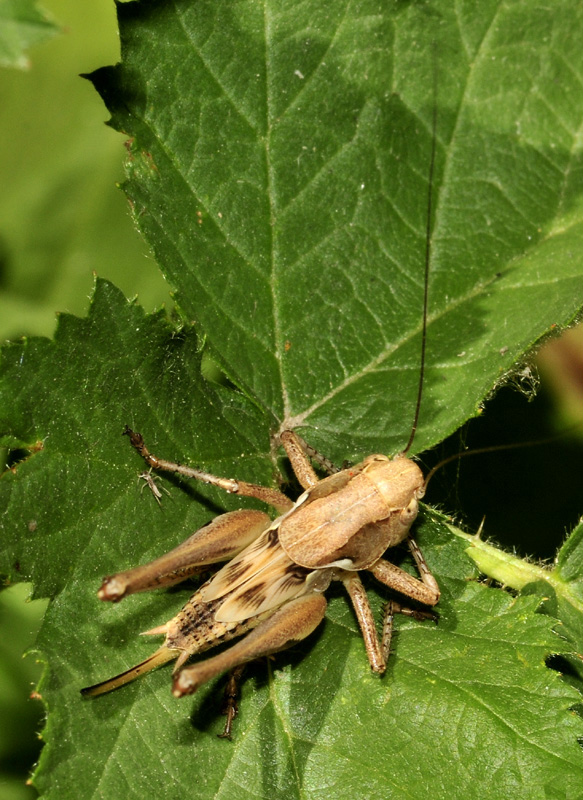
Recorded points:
(271, 590)
(151, 481)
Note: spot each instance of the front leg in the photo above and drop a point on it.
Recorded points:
(393, 608)
(299, 453)
(424, 591)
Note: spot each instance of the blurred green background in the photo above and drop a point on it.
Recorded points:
(22, 716)
(62, 218)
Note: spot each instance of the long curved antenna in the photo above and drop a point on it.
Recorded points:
(427, 260)
(496, 448)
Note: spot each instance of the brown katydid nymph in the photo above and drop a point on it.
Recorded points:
(272, 585)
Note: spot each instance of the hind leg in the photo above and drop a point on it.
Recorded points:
(220, 540)
(289, 624)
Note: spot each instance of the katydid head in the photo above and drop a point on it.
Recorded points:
(397, 480)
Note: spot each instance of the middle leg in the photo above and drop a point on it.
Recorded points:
(271, 496)
(359, 598)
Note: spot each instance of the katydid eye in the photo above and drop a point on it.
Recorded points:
(410, 511)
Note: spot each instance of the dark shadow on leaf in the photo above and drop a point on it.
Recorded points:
(190, 489)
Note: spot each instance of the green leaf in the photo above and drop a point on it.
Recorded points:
(63, 216)
(19, 745)
(22, 25)
(280, 162)
(279, 168)
(560, 587)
